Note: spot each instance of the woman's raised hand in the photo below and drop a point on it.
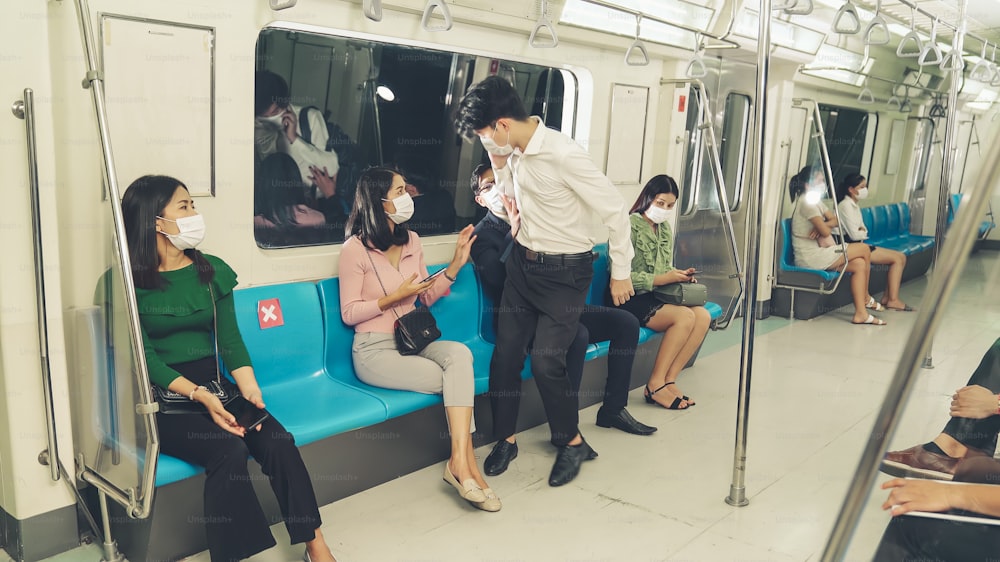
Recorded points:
(462, 248)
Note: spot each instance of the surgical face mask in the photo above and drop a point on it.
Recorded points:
(192, 232)
(495, 149)
(657, 214)
(493, 199)
(404, 208)
(863, 193)
(272, 120)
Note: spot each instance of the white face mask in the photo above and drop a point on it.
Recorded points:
(863, 193)
(493, 199)
(273, 121)
(404, 208)
(192, 232)
(657, 214)
(495, 149)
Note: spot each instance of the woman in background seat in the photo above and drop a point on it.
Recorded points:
(813, 245)
(853, 188)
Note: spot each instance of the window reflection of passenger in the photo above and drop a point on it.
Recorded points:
(277, 129)
(282, 215)
(433, 209)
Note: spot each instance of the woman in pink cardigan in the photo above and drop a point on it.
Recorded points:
(381, 268)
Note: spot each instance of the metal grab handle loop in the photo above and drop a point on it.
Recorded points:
(638, 47)
(847, 11)
(877, 23)
(931, 48)
(534, 39)
(696, 66)
(799, 8)
(866, 97)
(425, 21)
(913, 37)
(894, 100)
(372, 9)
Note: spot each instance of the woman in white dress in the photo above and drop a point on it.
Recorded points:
(813, 245)
(849, 191)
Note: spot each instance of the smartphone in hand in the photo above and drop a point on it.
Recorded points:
(247, 415)
(433, 275)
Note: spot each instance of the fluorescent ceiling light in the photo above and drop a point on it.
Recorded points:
(592, 16)
(785, 34)
(984, 100)
(973, 88)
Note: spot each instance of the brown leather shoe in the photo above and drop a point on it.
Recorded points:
(917, 462)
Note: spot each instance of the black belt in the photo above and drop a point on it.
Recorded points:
(556, 259)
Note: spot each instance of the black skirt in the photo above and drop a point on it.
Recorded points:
(642, 306)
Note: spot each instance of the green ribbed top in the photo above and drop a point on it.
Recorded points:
(653, 252)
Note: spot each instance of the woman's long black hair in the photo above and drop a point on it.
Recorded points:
(144, 200)
(278, 189)
(851, 180)
(368, 220)
(655, 186)
(797, 185)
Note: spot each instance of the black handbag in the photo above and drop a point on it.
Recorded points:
(682, 294)
(413, 330)
(171, 402)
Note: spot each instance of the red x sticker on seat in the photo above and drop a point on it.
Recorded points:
(269, 314)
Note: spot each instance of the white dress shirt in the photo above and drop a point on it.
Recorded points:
(556, 185)
(851, 220)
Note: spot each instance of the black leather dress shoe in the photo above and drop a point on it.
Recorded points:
(568, 463)
(625, 422)
(497, 461)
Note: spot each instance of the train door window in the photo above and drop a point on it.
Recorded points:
(732, 147)
(850, 139)
(693, 154)
(372, 103)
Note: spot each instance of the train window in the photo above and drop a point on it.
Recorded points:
(693, 154)
(850, 139)
(732, 147)
(346, 104)
(922, 152)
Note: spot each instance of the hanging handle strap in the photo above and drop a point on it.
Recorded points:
(441, 5)
(372, 9)
(852, 24)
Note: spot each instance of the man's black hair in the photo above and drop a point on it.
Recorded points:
(493, 98)
(269, 88)
(476, 174)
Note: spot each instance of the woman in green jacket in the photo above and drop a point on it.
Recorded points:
(683, 327)
(181, 294)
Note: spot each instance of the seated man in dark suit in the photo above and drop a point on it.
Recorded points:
(492, 244)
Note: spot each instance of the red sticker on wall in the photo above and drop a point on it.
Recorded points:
(494, 66)
(269, 314)
(681, 100)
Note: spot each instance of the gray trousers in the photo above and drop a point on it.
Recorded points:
(443, 367)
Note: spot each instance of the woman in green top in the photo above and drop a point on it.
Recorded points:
(175, 289)
(683, 327)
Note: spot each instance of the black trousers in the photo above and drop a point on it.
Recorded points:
(621, 330)
(235, 524)
(980, 434)
(544, 302)
(920, 539)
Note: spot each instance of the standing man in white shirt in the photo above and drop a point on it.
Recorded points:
(555, 185)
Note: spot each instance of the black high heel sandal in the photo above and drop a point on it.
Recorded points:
(675, 405)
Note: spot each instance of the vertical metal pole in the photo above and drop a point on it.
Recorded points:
(948, 161)
(737, 488)
(25, 109)
(94, 80)
(947, 271)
